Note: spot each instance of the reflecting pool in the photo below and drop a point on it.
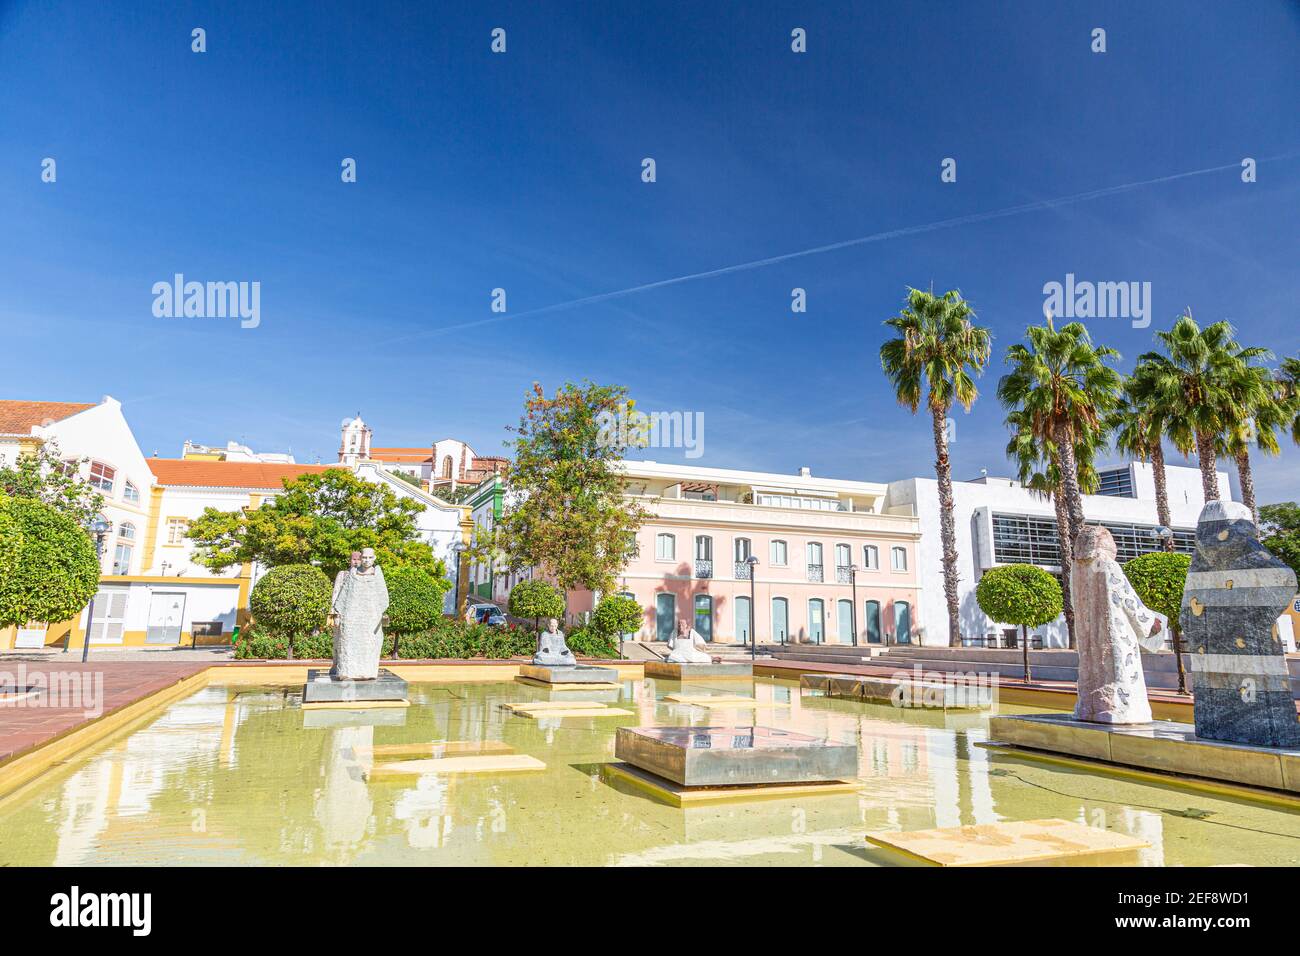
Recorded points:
(242, 776)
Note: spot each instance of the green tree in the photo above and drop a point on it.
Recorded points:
(1204, 385)
(1264, 406)
(414, 601)
(1279, 531)
(537, 599)
(456, 496)
(1062, 393)
(319, 518)
(44, 476)
(616, 615)
(1020, 594)
(937, 352)
(569, 516)
(291, 600)
(48, 567)
(1159, 579)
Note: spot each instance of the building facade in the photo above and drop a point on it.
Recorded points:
(830, 563)
(1001, 522)
(446, 462)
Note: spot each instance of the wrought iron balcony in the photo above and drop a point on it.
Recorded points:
(843, 574)
(815, 572)
(742, 571)
(703, 569)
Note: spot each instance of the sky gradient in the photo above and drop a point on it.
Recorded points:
(523, 171)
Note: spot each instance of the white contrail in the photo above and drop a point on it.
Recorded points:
(832, 247)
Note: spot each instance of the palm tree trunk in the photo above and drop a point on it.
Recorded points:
(947, 526)
(1066, 540)
(1162, 492)
(1247, 480)
(1209, 467)
(1069, 470)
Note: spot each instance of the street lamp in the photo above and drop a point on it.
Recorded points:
(99, 529)
(457, 549)
(853, 611)
(752, 562)
(1165, 536)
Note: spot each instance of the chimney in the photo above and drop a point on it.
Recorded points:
(805, 472)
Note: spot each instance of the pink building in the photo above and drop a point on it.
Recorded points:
(829, 559)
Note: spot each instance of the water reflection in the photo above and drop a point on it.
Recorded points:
(244, 775)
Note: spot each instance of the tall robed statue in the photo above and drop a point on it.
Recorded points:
(357, 618)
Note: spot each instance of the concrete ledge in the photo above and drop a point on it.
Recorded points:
(900, 692)
(578, 674)
(1160, 746)
(676, 795)
(673, 671)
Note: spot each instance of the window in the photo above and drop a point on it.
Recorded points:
(122, 559)
(102, 475)
(843, 555)
(1116, 482)
(1021, 539)
(130, 493)
(665, 547)
(815, 569)
(703, 548)
(176, 528)
(898, 559)
(871, 557)
(780, 554)
(126, 530)
(742, 550)
(811, 504)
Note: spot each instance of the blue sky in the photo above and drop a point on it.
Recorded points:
(522, 171)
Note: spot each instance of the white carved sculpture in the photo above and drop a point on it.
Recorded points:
(687, 646)
(360, 599)
(552, 651)
(1110, 621)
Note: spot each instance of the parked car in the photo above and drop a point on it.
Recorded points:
(486, 614)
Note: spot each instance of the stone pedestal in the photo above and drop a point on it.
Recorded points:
(735, 756)
(1163, 746)
(572, 674)
(322, 690)
(710, 671)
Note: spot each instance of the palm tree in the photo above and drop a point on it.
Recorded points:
(1039, 470)
(1061, 394)
(1203, 385)
(937, 348)
(1139, 428)
(1265, 406)
(1288, 382)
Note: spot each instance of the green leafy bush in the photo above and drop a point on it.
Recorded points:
(290, 602)
(1020, 594)
(447, 639)
(414, 602)
(616, 614)
(585, 642)
(1158, 578)
(536, 599)
(48, 567)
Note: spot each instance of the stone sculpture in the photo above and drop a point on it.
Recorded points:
(354, 560)
(1234, 594)
(552, 651)
(687, 646)
(1110, 622)
(357, 613)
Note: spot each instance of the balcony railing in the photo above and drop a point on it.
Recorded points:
(815, 572)
(703, 569)
(742, 571)
(843, 574)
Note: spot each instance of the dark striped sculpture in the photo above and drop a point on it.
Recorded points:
(1234, 594)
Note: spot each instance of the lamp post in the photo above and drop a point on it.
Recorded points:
(853, 610)
(752, 563)
(99, 529)
(457, 550)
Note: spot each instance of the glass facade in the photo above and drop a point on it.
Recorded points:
(1021, 539)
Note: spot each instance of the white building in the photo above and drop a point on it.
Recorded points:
(447, 461)
(998, 522)
(234, 452)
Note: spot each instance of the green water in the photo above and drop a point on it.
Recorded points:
(241, 775)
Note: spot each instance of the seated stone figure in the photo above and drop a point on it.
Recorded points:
(552, 651)
(687, 646)
(1110, 622)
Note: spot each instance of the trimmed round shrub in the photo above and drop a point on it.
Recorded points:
(290, 602)
(1020, 594)
(536, 599)
(1158, 578)
(616, 615)
(414, 602)
(48, 567)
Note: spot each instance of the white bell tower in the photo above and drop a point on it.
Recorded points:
(355, 444)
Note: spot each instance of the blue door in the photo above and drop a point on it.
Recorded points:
(780, 620)
(665, 616)
(902, 623)
(873, 622)
(816, 621)
(844, 622)
(704, 615)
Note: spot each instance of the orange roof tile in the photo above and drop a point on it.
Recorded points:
(401, 454)
(18, 418)
(227, 474)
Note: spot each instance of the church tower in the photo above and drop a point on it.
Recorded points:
(355, 444)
